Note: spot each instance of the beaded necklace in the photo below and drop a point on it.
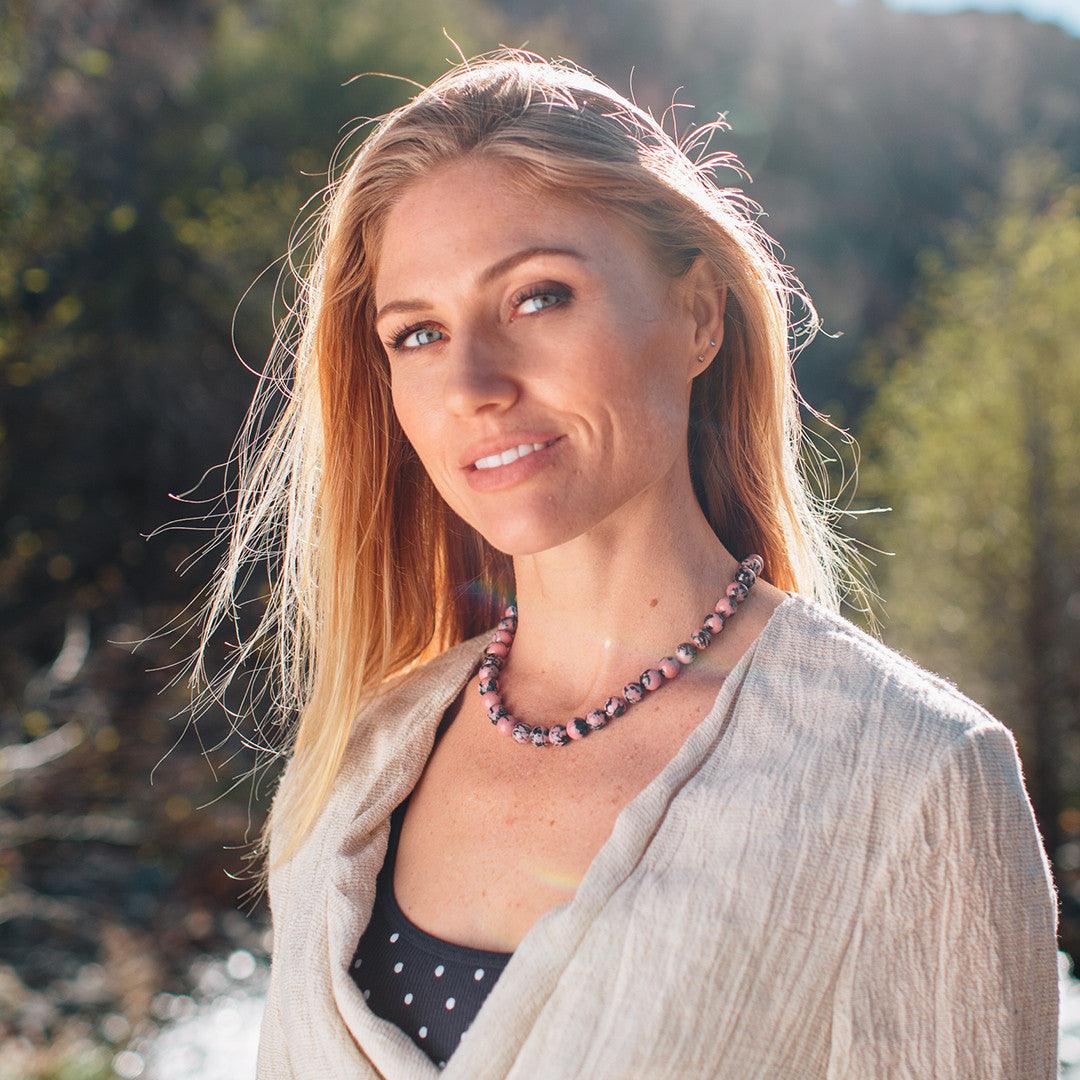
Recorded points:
(498, 650)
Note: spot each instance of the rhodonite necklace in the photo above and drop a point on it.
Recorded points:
(498, 650)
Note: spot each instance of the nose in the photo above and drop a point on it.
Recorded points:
(480, 373)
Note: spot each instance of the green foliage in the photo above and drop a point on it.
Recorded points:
(973, 442)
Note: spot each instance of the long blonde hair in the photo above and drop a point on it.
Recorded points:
(373, 574)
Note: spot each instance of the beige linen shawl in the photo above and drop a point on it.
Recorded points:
(837, 877)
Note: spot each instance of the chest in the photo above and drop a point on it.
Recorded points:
(497, 834)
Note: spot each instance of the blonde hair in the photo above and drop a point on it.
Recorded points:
(373, 574)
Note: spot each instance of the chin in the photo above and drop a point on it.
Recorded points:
(527, 535)
(519, 546)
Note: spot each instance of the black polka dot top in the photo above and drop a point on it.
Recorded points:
(431, 988)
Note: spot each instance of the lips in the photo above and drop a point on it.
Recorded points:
(517, 471)
(497, 444)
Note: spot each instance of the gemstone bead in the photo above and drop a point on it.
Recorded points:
(496, 648)
(491, 698)
(634, 692)
(725, 607)
(713, 622)
(505, 724)
(686, 653)
(496, 712)
(511, 611)
(737, 592)
(507, 624)
(652, 679)
(615, 706)
(596, 719)
(488, 686)
(702, 638)
(669, 667)
(755, 563)
(521, 732)
(577, 728)
(539, 736)
(557, 735)
(745, 576)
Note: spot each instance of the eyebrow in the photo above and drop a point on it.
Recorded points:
(496, 269)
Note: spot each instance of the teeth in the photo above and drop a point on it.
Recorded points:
(495, 460)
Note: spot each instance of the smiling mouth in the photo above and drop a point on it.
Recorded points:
(498, 461)
(508, 475)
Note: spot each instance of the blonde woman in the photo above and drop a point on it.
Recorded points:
(591, 778)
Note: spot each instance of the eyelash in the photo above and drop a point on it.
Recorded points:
(533, 291)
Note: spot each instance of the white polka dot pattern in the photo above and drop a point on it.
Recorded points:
(447, 983)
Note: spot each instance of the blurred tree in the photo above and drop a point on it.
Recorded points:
(973, 443)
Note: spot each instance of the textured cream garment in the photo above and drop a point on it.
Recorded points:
(838, 876)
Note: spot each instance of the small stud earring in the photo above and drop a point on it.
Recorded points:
(701, 358)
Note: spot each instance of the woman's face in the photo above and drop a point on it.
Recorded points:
(490, 346)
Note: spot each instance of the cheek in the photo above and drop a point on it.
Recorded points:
(634, 391)
(415, 416)
(606, 361)
(649, 435)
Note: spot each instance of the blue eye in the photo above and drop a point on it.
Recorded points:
(560, 294)
(408, 332)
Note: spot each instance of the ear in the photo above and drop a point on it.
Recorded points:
(705, 299)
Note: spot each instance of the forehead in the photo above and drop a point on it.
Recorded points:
(451, 225)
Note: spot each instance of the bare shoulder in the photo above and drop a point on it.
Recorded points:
(766, 597)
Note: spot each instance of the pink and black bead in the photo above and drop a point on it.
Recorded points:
(495, 654)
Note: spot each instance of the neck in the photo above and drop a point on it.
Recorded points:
(597, 611)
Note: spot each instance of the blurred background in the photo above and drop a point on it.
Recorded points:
(920, 166)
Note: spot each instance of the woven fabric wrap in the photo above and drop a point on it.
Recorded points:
(837, 877)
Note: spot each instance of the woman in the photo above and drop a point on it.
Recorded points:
(591, 777)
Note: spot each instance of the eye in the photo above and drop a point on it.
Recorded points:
(398, 340)
(548, 291)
